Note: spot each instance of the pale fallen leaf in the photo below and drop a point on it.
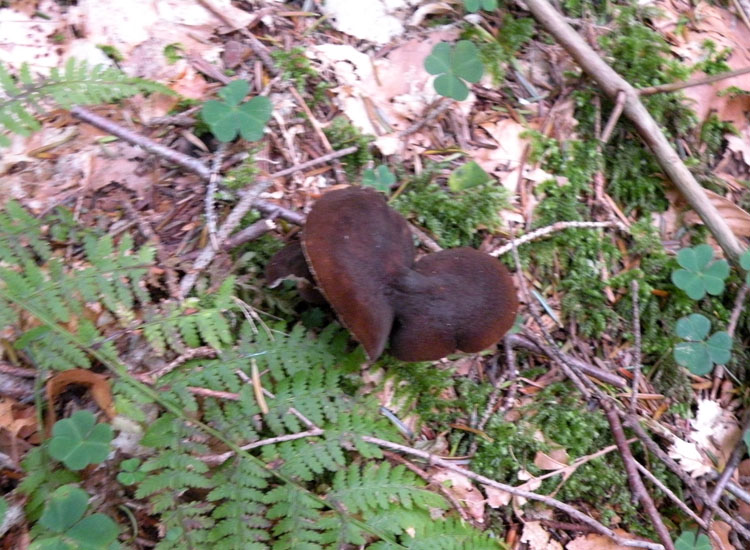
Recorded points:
(594, 541)
(464, 491)
(556, 459)
(537, 537)
(372, 20)
(721, 529)
(737, 218)
(496, 497)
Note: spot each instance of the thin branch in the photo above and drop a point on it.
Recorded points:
(612, 84)
(613, 117)
(667, 491)
(532, 344)
(634, 480)
(674, 86)
(213, 184)
(549, 501)
(637, 337)
(554, 228)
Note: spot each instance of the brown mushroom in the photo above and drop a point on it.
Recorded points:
(356, 246)
(454, 299)
(361, 255)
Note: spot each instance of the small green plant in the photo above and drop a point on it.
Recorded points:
(23, 95)
(475, 5)
(690, 540)
(79, 441)
(379, 178)
(230, 117)
(130, 472)
(454, 65)
(66, 528)
(174, 52)
(467, 176)
(699, 353)
(699, 275)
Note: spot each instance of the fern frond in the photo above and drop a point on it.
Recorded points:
(77, 84)
(296, 516)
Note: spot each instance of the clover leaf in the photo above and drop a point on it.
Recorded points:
(380, 179)
(475, 5)
(467, 176)
(130, 472)
(229, 117)
(699, 354)
(64, 516)
(690, 540)
(78, 441)
(699, 275)
(453, 65)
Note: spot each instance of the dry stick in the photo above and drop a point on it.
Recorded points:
(636, 483)
(196, 166)
(532, 344)
(612, 84)
(633, 423)
(233, 220)
(674, 86)
(213, 184)
(613, 117)
(739, 305)
(667, 491)
(554, 228)
(438, 109)
(215, 460)
(549, 501)
(637, 337)
(734, 460)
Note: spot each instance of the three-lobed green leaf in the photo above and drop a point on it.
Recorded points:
(690, 540)
(698, 353)
(78, 441)
(454, 65)
(230, 117)
(64, 517)
(699, 275)
(475, 5)
(380, 178)
(467, 176)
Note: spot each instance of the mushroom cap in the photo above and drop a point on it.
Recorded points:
(290, 263)
(454, 299)
(356, 246)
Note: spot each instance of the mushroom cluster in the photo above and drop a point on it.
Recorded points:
(357, 254)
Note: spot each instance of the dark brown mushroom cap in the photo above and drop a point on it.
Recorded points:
(454, 299)
(356, 246)
(290, 263)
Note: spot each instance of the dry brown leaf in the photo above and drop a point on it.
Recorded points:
(538, 538)
(721, 540)
(97, 383)
(737, 218)
(464, 491)
(593, 541)
(554, 460)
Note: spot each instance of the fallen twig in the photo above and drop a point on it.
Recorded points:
(549, 501)
(613, 84)
(674, 86)
(634, 480)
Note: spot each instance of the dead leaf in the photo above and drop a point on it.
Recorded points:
(538, 538)
(464, 491)
(594, 541)
(97, 383)
(721, 541)
(737, 218)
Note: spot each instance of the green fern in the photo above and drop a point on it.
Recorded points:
(298, 489)
(24, 96)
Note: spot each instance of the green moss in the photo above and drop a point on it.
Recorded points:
(497, 51)
(295, 66)
(454, 218)
(341, 134)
